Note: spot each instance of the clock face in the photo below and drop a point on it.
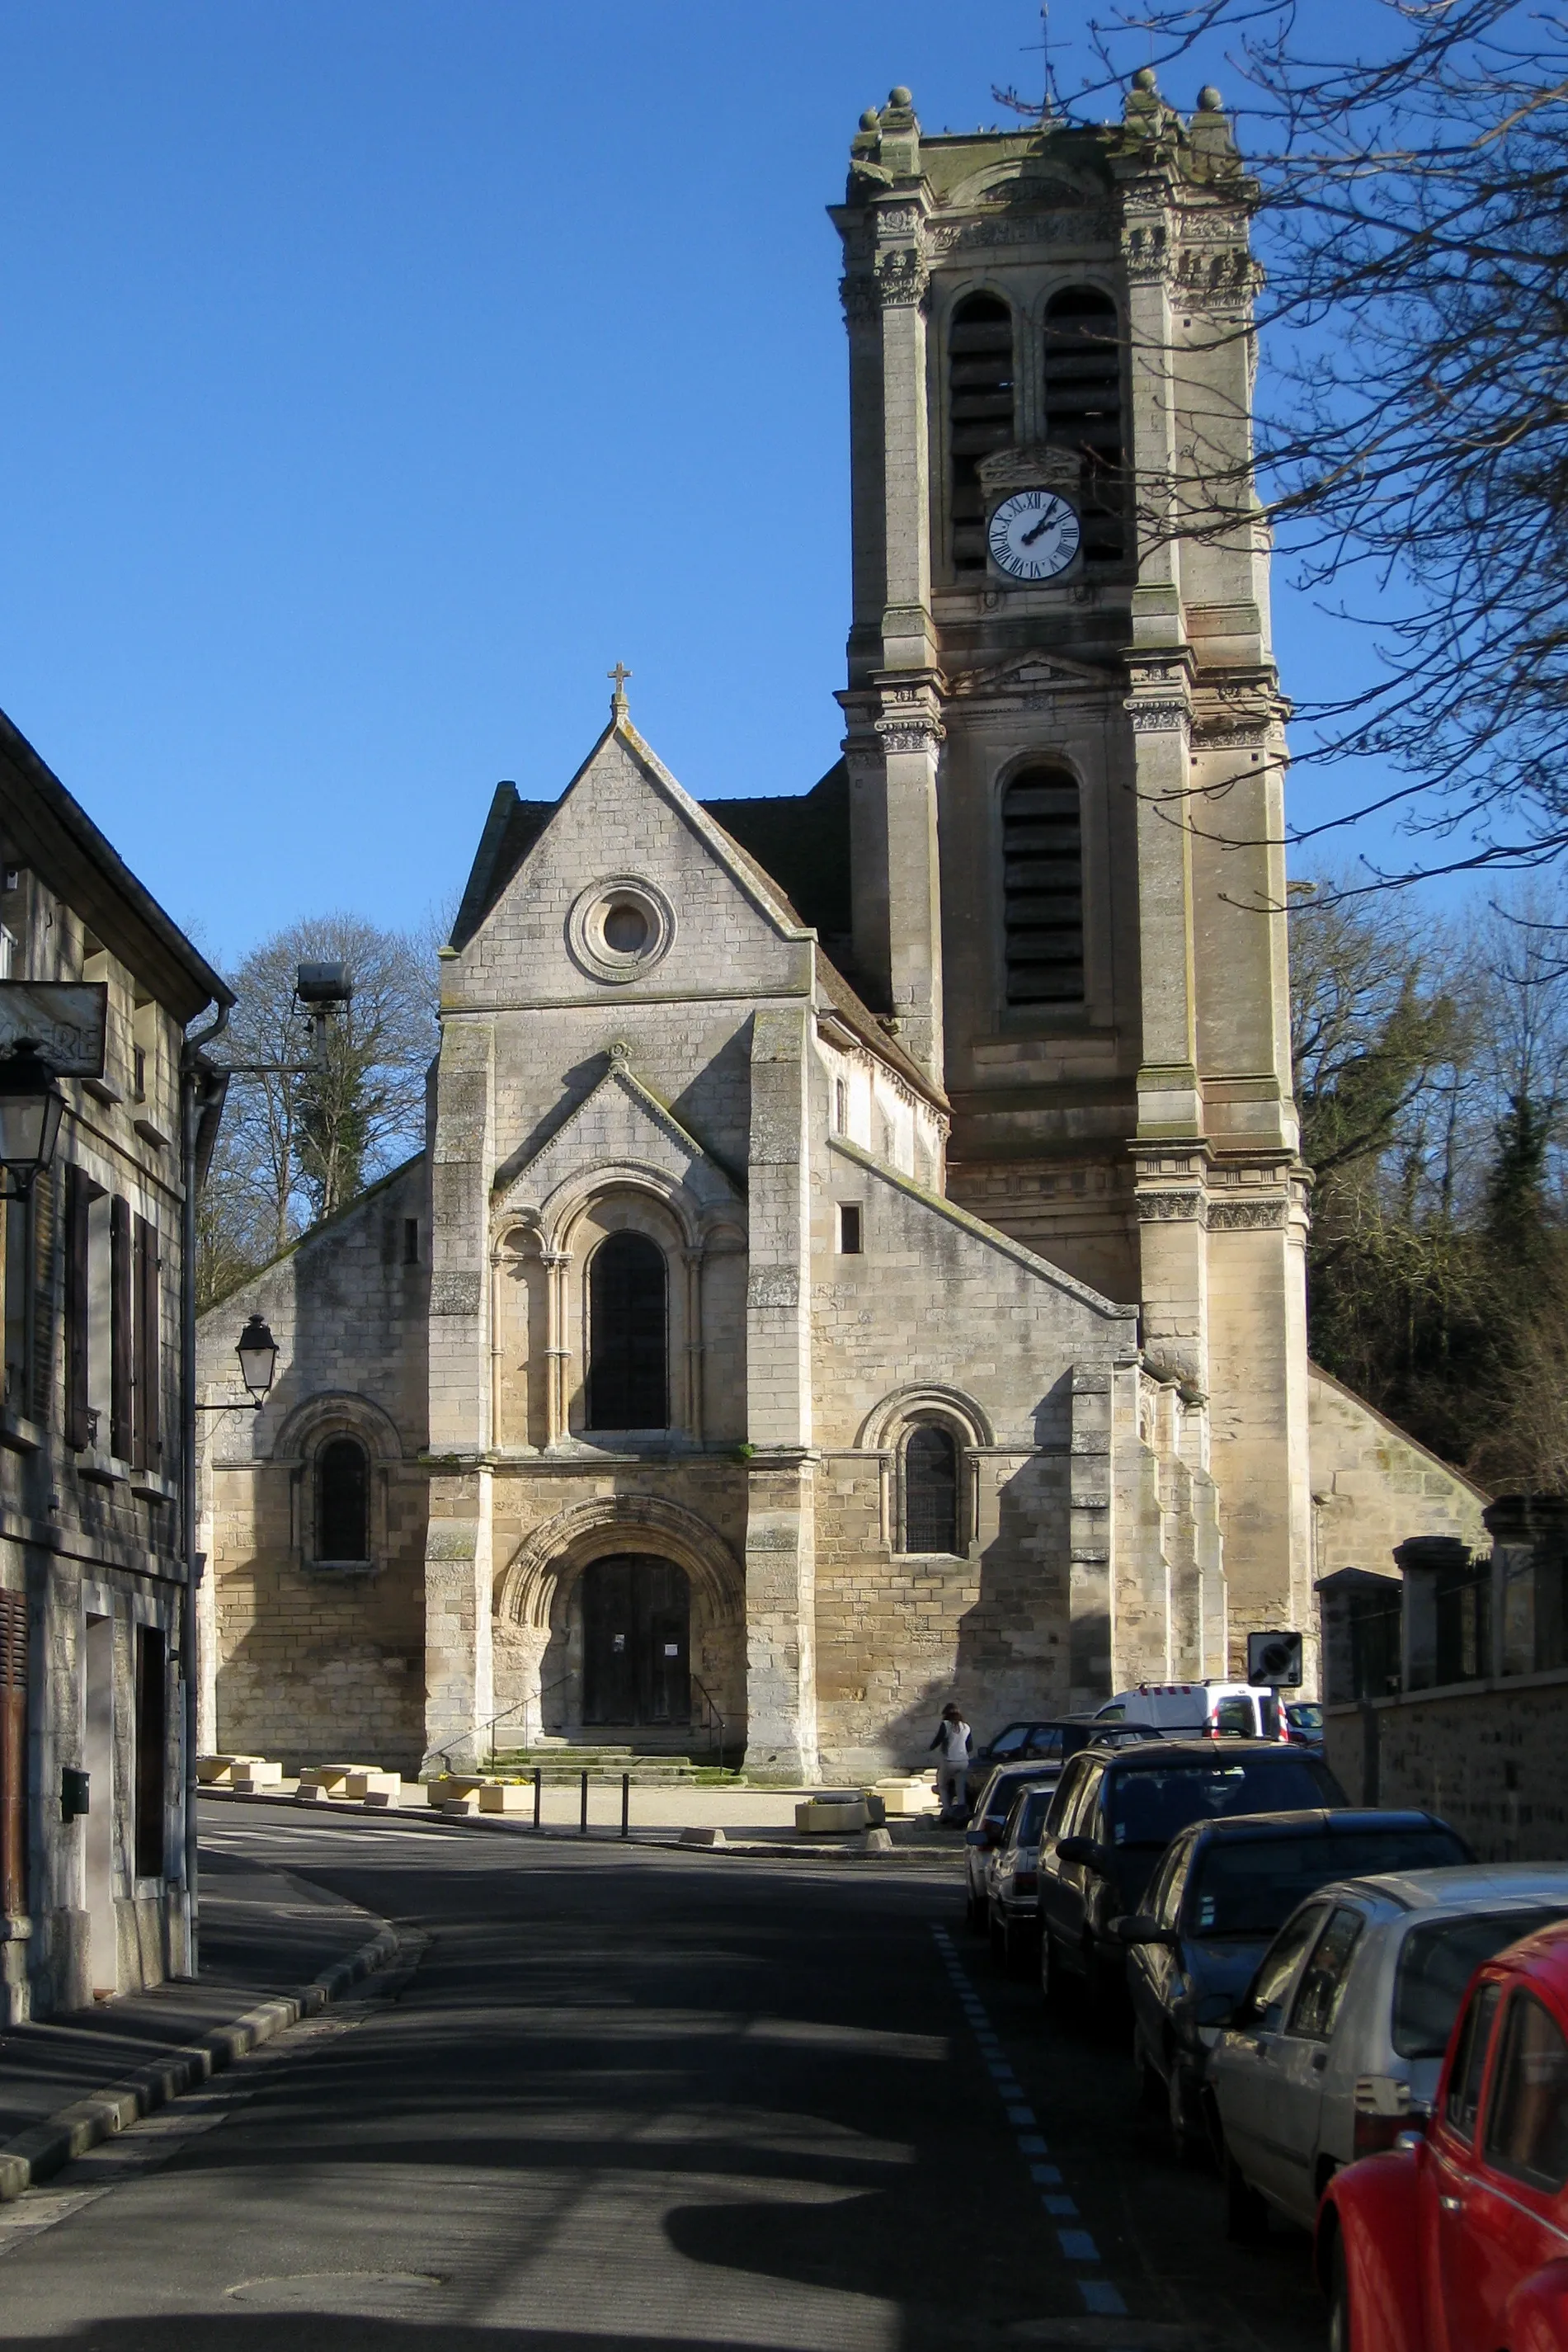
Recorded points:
(1033, 535)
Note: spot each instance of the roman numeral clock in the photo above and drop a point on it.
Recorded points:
(1033, 535)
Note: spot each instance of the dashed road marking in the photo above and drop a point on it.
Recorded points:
(1100, 2297)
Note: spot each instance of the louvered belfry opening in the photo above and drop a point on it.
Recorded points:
(930, 1490)
(1083, 410)
(979, 414)
(1042, 887)
(628, 1348)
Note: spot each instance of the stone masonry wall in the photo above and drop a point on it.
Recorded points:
(1372, 1486)
(1492, 1757)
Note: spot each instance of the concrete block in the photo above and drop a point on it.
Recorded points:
(818, 1818)
(364, 1784)
(504, 1797)
(703, 1837)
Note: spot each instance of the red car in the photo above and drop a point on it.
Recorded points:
(1457, 2242)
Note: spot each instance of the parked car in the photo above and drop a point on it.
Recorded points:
(1337, 2045)
(1036, 1739)
(986, 1824)
(1305, 1724)
(1458, 2238)
(1116, 1810)
(1188, 1710)
(1011, 1912)
(1221, 1893)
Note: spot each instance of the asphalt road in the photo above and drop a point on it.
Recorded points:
(639, 2096)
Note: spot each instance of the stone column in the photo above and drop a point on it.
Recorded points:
(459, 1584)
(780, 1606)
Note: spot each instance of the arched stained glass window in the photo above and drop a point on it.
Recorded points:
(930, 1490)
(628, 1344)
(1042, 887)
(1083, 409)
(979, 416)
(343, 1500)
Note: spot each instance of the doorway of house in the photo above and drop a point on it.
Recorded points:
(636, 1641)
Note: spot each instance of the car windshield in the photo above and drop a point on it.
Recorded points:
(1008, 1742)
(1004, 1796)
(1031, 1817)
(1147, 1807)
(1438, 1963)
(1045, 1739)
(1249, 1886)
(1304, 1715)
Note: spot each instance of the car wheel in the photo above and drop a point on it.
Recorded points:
(1050, 1969)
(999, 1940)
(1246, 2213)
(975, 1910)
(1341, 2335)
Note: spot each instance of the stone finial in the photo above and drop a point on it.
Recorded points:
(618, 706)
(1211, 150)
(1208, 99)
(619, 1053)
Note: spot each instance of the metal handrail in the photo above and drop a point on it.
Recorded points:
(520, 1707)
(712, 1710)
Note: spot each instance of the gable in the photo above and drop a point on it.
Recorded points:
(713, 921)
(618, 1127)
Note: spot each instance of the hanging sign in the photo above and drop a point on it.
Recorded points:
(65, 1019)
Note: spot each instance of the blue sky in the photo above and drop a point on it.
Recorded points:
(376, 374)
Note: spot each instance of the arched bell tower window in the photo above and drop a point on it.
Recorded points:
(343, 1501)
(930, 1489)
(979, 416)
(628, 1343)
(1042, 887)
(1083, 409)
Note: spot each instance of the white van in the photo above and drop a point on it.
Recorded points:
(1194, 1709)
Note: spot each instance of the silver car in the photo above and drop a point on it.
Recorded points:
(1337, 2045)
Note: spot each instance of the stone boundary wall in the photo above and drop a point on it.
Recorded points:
(1492, 1757)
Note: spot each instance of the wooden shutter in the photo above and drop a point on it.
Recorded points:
(80, 1190)
(45, 1216)
(151, 1749)
(121, 1328)
(12, 1754)
(148, 1446)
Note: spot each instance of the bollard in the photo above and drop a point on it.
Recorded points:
(583, 1825)
(539, 1796)
(625, 1804)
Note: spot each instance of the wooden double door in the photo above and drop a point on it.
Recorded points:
(636, 1641)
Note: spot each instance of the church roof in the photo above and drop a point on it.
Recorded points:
(801, 841)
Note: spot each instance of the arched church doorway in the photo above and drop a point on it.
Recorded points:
(636, 1641)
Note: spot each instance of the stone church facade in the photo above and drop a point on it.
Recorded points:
(858, 1255)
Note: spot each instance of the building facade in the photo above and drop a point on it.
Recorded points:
(92, 1545)
(859, 1256)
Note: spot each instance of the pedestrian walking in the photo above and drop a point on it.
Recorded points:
(953, 1741)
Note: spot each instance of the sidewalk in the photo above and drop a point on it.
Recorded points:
(274, 1949)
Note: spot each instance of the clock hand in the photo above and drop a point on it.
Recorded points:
(1047, 522)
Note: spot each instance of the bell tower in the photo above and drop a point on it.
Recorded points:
(1065, 744)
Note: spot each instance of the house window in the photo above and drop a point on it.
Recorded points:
(411, 1240)
(841, 1108)
(1042, 888)
(979, 416)
(930, 1490)
(343, 1501)
(849, 1229)
(1083, 410)
(628, 1344)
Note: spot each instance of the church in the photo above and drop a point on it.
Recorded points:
(858, 1255)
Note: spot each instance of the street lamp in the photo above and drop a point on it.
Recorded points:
(30, 1107)
(257, 1353)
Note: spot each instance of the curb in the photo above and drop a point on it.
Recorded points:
(44, 2148)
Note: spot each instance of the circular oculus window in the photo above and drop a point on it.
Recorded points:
(620, 929)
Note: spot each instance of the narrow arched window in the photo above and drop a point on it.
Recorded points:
(1042, 887)
(979, 416)
(1083, 410)
(343, 1500)
(628, 1346)
(930, 1490)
